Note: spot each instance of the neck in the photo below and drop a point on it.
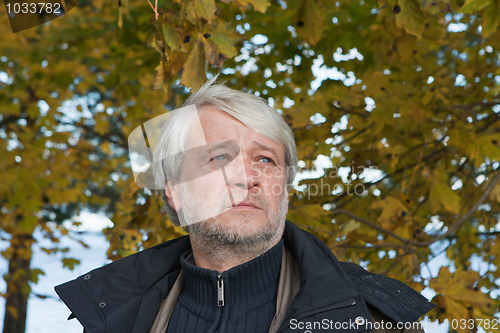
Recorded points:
(222, 257)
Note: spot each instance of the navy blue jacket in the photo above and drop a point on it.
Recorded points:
(125, 295)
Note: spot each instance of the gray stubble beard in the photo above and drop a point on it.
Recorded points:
(220, 245)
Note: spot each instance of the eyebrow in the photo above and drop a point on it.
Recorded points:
(218, 145)
(270, 149)
(267, 148)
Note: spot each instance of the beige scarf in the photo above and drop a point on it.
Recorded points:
(288, 286)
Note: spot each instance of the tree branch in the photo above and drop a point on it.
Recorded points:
(371, 246)
(344, 142)
(494, 119)
(453, 229)
(368, 223)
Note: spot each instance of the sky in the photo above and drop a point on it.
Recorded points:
(50, 315)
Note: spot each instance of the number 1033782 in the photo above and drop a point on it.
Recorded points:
(486, 324)
(34, 7)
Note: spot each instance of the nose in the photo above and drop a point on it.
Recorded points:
(251, 175)
(243, 175)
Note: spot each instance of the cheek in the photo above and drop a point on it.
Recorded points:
(212, 189)
(274, 186)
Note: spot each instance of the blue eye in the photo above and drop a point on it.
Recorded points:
(266, 160)
(220, 158)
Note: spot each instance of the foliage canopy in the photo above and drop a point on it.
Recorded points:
(398, 98)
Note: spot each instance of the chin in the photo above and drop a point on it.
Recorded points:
(258, 219)
(244, 223)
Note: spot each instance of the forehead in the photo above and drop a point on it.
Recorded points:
(214, 125)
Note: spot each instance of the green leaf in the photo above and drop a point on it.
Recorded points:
(12, 311)
(495, 195)
(193, 74)
(224, 44)
(70, 263)
(442, 196)
(171, 37)
(411, 17)
(392, 210)
(457, 295)
(389, 3)
(351, 226)
(28, 223)
(471, 6)
(205, 9)
(491, 18)
(219, 45)
(310, 21)
(35, 273)
(260, 5)
(490, 147)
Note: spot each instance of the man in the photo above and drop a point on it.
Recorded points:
(226, 161)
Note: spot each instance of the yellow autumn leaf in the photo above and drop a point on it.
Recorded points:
(171, 37)
(392, 210)
(101, 125)
(120, 17)
(160, 76)
(457, 292)
(410, 17)
(491, 19)
(70, 263)
(349, 227)
(490, 146)
(471, 6)
(190, 12)
(193, 73)
(205, 9)
(224, 41)
(259, 5)
(310, 22)
(495, 194)
(442, 196)
(13, 311)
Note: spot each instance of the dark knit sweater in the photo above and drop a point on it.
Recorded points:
(249, 297)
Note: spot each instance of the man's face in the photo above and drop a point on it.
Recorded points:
(235, 184)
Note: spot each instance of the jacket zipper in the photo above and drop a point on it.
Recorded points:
(220, 290)
(339, 305)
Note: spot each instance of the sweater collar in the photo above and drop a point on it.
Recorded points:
(245, 287)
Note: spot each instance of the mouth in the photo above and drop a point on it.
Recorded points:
(246, 205)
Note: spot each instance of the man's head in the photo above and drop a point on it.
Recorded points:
(227, 161)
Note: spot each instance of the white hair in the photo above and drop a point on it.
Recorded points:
(252, 111)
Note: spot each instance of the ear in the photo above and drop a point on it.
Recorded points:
(172, 197)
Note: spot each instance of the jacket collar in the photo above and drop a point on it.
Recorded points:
(127, 293)
(324, 285)
(323, 282)
(255, 282)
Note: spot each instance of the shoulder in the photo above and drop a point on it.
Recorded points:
(382, 324)
(392, 298)
(122, 285)
(149, 265)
